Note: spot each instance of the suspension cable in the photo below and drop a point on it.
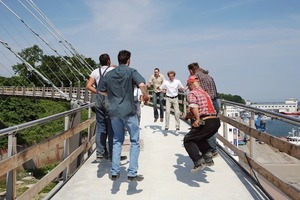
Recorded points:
(59, 36)
(29, 45)
(55, 36)
(32, 68)
(35, 33)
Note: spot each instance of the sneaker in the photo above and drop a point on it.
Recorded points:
(115, 177)
(198, 165)
(166, 128)
(135, 178)
(214, 153)
(155, 120)
(161, 119)
(121, 158)
(208, 159)
(102, 156)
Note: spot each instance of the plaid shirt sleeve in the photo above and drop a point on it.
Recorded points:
(197, 97)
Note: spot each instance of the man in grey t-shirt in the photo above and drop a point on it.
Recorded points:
(118, 84)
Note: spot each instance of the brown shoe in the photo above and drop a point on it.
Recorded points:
(155, 120)
(161, 119)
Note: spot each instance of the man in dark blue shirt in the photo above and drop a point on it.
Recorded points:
(118, 84)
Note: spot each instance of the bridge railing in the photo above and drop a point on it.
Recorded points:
(47, 92)
(73, 155)
(248, 160)
(75, 150)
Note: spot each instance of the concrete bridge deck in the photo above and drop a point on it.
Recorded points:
(166, 167)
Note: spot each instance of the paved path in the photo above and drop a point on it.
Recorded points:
(166, 167)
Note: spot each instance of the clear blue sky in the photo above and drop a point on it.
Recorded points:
(250, 47)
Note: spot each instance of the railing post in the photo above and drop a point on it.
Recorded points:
(52, 92)
(43, 91)
(66, 148)
(75, 140)
(78, 90)
(252, 139)
(89, 136)
(225, 134)
(23, 90)
(33, 91)
(70, 92)
(11, 177)
(184, 105)
(86, 95)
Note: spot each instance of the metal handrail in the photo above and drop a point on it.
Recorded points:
(7, 131)
(274, 115)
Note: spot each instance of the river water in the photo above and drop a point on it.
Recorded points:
(279, 128)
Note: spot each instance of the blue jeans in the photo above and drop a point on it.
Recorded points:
(160, 95)
(103, 131)
(138, 110)
(119, 124)
(212, 141)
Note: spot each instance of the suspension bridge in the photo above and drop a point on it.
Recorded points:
(238, 174)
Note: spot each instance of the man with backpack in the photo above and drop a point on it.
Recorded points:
(103, 123)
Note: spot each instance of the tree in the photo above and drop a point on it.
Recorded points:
(61, 71)
(234, 98)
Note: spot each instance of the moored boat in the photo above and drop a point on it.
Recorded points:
(294, 137)
(291, 113)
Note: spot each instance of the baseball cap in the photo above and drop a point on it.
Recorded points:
(192, 79)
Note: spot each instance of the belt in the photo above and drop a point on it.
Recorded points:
(209, 117)
(172, 97)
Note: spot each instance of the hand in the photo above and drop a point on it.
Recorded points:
(188, 116)
(146, 98)
(196, 124)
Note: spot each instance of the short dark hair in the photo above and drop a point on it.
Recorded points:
(156, 69)
(193, 66)
(123, 56)
(171, 72)
(104, 58)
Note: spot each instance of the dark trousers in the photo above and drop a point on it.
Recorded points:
(196, 140)
(160, 100)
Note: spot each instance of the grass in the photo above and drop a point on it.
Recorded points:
(30, 177)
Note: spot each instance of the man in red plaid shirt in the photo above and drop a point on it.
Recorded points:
(206, 123)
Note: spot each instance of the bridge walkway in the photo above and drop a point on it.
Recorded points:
(166, 167)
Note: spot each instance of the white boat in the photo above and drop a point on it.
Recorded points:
(294, 137)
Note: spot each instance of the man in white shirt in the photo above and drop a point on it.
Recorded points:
(171, 87)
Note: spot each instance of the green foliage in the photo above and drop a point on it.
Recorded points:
(62, 71)
(14, 81)
(234, 98)
(16, 111)
(41, 172)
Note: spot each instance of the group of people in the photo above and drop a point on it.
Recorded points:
(120, 90)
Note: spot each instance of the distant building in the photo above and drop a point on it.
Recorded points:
(290, 105)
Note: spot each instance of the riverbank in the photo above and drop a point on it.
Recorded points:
(284, 166)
